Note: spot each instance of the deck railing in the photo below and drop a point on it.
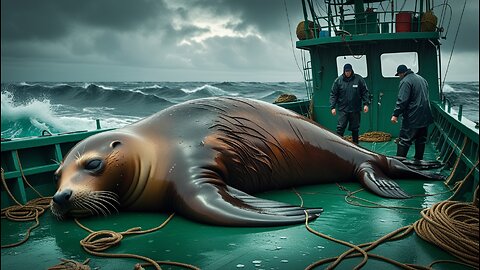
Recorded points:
(457, 141)
(370, 22)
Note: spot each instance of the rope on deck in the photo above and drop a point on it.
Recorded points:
(451, 225)
(372, 136)
(31, 211)
(98, 241)
(71, 265)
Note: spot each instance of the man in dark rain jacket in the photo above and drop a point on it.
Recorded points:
(414, 105)
(349, 92)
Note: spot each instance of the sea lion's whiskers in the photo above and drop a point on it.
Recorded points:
(81, 204)
(106, 199)
(108, 195)
(88, 204)
(77, 156)
(103, 198)
(55, 211)
(102, 203)
(93, 203)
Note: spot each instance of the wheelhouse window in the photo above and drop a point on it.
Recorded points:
(390, 61)
(358, 62)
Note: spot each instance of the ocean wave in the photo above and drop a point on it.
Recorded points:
(32, 117)
(89, 85)
(29, 108)
(207, 90)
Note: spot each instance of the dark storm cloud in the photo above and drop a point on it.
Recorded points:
(46, 20)
(215, 36)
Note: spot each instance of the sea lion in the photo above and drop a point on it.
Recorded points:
(203, 158)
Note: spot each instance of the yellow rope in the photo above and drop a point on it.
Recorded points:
(31, 211)
(98, 241)
(458, 185)
(457, 162)
(71, 265)
(453, 226)
(285, 98)
(372, 136)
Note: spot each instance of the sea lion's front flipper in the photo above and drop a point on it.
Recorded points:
(372, 177)
(226, 206)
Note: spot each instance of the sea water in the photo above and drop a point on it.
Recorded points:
(29, 108)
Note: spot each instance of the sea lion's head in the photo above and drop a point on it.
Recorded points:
(94, 175)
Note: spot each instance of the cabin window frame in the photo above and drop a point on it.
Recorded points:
(390, 61)
(358, 62)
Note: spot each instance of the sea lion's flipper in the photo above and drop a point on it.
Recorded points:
(424, 165)
(372, 177)
(224, 205)
(421, 164)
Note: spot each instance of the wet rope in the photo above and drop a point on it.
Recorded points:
(453, 151)
(285, 98)
(98, 241)
(71, 265)
(451, 225)
(454, 227)
(372, 136)
(459, 184)
(457, 162)
(31, 211)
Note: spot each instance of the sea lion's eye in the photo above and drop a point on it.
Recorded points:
(94, 165)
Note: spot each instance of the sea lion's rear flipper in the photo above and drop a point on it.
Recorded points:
(372, 177)
(421, 164)
(226, 206)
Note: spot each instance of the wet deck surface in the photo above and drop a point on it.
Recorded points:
(212, 247)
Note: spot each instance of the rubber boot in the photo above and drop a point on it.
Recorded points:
(355, 136)
(402, 150)
(419, 150)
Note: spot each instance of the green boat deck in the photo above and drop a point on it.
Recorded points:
(213, 247)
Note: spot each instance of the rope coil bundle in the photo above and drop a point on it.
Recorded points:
(285, 98)
(71, 265)
(372, 136)
(453, 226)
(301, 30)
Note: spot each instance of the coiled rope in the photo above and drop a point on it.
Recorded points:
(372, 136)
(451, 225)
(31, 211)
(98, 241)
(71, 265)
(285, 98)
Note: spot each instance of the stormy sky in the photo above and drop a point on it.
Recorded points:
(181, 40)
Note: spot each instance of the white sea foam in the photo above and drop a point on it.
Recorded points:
(86, 85)
(214, 91)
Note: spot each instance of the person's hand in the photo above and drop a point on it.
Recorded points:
(365, 109)
(334, 112)
(394, 119)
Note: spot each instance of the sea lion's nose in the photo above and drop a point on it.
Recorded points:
(62, 197)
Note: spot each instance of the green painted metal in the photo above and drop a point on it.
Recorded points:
(300, 106)
(458, 143)
(22, 143)
(37, 158)
(384, 90)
